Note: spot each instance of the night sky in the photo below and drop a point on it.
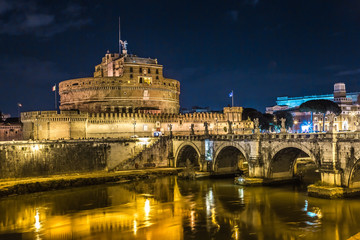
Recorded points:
(261, 49)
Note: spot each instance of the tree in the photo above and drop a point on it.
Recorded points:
(265, 120)
(320, 106)
(251, 113)
(287, 115)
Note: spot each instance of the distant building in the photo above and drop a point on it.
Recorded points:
(10, 128)
(346, 121)
(195, 109)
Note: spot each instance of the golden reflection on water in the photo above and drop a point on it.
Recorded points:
(171, 209)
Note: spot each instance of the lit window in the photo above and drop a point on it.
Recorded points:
(148, 80)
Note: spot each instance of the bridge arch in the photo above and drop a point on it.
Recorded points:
(230, 157)
(187, 151)
(354, 177)
(288, 160)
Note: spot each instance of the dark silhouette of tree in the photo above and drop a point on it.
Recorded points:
(265, 120)
(287, 115)
(320, 106)
(251, 113)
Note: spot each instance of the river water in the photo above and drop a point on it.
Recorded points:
(169, 208)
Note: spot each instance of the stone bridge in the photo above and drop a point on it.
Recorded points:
(334, 156)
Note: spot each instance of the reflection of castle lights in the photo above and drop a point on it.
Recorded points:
(236, 232)
(213, 218)
(192, 220)
(241, 193)
(135, 226)
(147, 207)
(209, 200)
(37, 221)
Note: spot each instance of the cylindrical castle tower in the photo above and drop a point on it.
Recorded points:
(122, 83)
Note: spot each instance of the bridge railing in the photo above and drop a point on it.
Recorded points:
(275, 136)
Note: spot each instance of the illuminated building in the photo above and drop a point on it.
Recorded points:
(10, 129)
(128, 96)
(346, 121)
(122, 83)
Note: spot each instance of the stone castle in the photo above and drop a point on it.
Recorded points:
(128, 96)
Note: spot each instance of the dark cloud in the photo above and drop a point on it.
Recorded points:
(233, 14)
(349, 72)
(251, 2)
(29, 82)
(333, 67)
(38, 20)
(28, 17)
(5, 6)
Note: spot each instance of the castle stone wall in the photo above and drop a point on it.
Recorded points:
(41, 158)
(76, 125)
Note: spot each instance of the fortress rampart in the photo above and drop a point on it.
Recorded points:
(78, 125)
(128, 96)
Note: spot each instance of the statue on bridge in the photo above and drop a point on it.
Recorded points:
(283, 128)
(192, 132)
(256, 125)
(206, 128)
(358, 123)
(331, 122)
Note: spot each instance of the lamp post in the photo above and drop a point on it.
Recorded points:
(295, 127)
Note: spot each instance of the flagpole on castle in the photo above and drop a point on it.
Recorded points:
(54, 90)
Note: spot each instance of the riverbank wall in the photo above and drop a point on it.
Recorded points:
(39, 184)
(20, 159)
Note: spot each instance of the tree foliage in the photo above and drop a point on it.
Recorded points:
(251, 113)
(320, 106)
(265, 120)
(284, 114)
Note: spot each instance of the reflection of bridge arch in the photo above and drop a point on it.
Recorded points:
(230, 157)
(187, 151)
(285, 157)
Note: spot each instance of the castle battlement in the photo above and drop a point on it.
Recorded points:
(74, 124)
